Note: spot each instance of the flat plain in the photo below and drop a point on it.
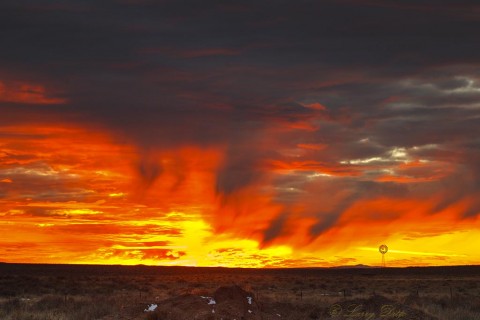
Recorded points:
(86, 292)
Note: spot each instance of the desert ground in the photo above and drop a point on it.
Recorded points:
(81, 292)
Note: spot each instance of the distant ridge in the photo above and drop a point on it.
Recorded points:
(357, 266)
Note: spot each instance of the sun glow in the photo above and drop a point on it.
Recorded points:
(81, 197)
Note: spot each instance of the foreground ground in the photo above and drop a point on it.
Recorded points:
(62, 292)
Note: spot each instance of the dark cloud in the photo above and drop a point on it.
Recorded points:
(275, 228)
(351, 192)
(149, 169)
(240, 169)
(38, 181)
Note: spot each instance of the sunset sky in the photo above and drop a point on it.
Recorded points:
(265, 133)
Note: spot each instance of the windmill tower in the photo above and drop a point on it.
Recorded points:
(383, 249)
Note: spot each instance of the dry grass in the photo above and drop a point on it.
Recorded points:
(87, 292)
(53, 307)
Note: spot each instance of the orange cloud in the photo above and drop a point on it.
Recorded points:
(75, 194)
(418, 171)
(28, 93)
(316, 106)
(312, 146)
(315, 166)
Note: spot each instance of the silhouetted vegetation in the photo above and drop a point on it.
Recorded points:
(75, 292)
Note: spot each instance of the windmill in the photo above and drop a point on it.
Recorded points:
(383, 249)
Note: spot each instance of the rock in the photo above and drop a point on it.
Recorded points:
(235, 303)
